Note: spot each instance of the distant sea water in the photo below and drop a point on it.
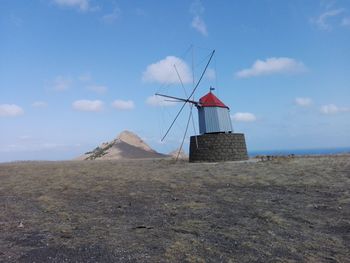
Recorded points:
(301, 151)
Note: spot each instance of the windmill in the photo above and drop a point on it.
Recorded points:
(216, 141)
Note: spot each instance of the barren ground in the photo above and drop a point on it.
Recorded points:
(295, 210)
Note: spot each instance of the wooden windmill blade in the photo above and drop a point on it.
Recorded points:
(189, 97)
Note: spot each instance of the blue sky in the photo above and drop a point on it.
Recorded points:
(75, 73)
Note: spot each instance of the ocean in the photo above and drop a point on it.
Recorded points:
(301, 151)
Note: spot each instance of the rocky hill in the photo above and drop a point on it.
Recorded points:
(126, 146)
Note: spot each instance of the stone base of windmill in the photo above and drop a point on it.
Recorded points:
(218, 147)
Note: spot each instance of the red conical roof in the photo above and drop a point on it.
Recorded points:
(210, 100)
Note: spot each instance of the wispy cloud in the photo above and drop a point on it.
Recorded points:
(141, 12)
(164, 71)
(39, 104)
(197, 10)
(345, 21)
(25, 137)
(86, 77)
(272, 66)
(62, 83)
(333, 109)
(123, 104)
(10, 110)
(16, 20)
(112, 17)
(98, 88)
(323, 20)
(210, 74)
(157, 101)
(30, 144)
(88, 105)
(199, 24)
(81, 5)
(243, 117)
(303, 102)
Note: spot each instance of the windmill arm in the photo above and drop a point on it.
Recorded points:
(178, 99)
(187, 100)
(205, 69)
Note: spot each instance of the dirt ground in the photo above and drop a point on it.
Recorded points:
(288, 210)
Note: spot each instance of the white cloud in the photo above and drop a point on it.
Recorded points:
(243, 117)
(322, 22)
(112, 17)
(82, 5)
(272, 66)
(197, 10)
(10, 110)
(304, 102)
(333, 109)
(156, 101)
(345, 21)
(62, 83)
(88, 105)
(98, 89)
(164, 72)
(39, 104)
(123, 104)
(199, 24)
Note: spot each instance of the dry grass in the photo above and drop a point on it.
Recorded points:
(156, 211)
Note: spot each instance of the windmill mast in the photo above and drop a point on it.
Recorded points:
(190, 96)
